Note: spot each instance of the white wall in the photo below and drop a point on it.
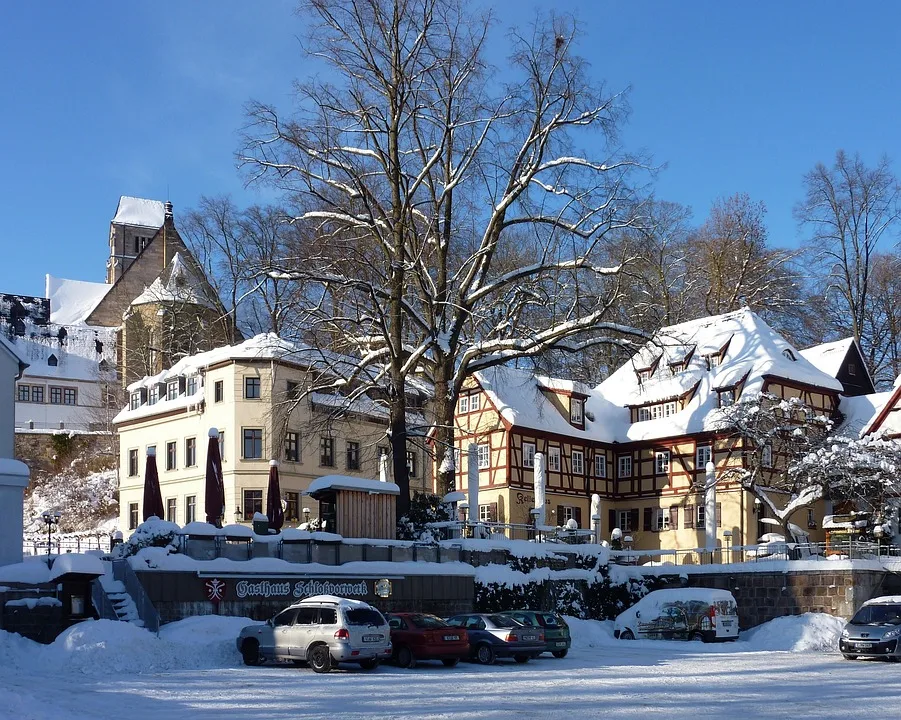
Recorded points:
(9, 369)
(47, 416)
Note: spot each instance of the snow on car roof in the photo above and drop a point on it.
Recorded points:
(690, 594)
(334, 600)
(884, 600)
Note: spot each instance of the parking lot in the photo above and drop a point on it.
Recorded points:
(628, 679)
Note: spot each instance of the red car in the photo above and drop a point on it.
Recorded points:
(415, 636)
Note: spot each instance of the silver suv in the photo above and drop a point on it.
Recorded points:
(874, 631)
(320, 631)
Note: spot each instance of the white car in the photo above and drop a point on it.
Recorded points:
(680, 613)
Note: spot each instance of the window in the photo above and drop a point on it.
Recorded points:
(569, 513)
(192, 386)
(190, 509)
(132, 516)
(484, 457)
(713, 361)
(37, 393)
(789, 354)
(217, 391)
(172, 390)
(700, 514)
(553, 459)
(852, 368)
(170, 455)
(56, 396)
(661, 462)
(669, 408)
(253, 444)
(52, 361)
(575, 411)
(488, 513)
(170, 509)
(24, 393)
(464, 404)
(70, 395)
(727, 397)
(137, 246)
(661, 519)
(644, 375)
(222, 444)
(474, 402)
(624, 519)
(135, 400)
(327, 452)
(600, 465)
(292, 506)
(190, 452)
(292, 390)
(154, 395)
(252, 388)
(528, 454)
(578, 462)
(766, 455)
(703, 455)
(411, 463)
(644, 413)
(253, 503)
(132, 462)
(353, 456)
(292, 447)
(624, 466)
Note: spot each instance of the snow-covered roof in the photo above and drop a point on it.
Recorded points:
(828, 357)
(72, 301)
(76, 563)
(14, 350)
(180, 282)
(860, 411)
(139, 211)
(76, 356)
(346, 482)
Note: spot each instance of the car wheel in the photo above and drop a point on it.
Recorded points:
(369, 664)
(626, 635)
(405, 657)
(320, 658)
(849, 657)
(560, 653)
(698, 637)
(521, 658)
(250, 652)
(451, 662)
(485, 654)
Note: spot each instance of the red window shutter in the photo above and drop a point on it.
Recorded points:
(577, 513)
(648, 519)
(674, 517)
(611, 517)
(689, 517)
(634, 519)
(492, 512)
(719, 515)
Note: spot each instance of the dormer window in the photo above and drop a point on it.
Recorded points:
(727, 397)
(135, 401)
(172, 390)
(52, 361)
(576, 411)
(713, 361)
(154, 395)
(852, 368)
(789, 354)
(644, 375)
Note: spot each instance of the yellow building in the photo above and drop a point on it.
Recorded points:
(253, 394)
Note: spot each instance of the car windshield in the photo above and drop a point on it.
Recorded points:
(878, 615)
(427, 621)
(504, 621)
(363, 616)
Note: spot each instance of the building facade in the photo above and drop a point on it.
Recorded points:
(253, 393)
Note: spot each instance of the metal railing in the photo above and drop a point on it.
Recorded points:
(123, 572)
(454, 530)
(36, 543)
(102, 604)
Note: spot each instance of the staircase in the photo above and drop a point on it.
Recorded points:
(122, 603)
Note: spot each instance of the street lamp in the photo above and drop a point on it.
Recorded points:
(463, 507)
(879, 533)
(727, 541)
(51, 517)
(238, 514)
(306, 516)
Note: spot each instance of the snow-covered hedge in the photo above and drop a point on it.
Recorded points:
(153, 532)
(424, 509)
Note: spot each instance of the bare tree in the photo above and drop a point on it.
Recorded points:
(458, 226)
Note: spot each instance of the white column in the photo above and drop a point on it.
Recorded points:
(540, 480)
(472, 482)
(596, 517)
(383, 467)
(710, 507)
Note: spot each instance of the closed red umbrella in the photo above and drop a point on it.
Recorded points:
(153, 496)
(274, 510)
(214, 491)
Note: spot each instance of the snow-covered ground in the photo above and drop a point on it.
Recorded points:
(102, 669)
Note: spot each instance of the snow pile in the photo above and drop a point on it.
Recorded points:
(810, 632)
(588, 634)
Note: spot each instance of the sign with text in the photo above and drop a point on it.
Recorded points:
(289, 588)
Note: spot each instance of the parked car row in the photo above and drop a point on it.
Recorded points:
(324, 630)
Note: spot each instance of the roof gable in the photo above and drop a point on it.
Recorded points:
(836, 359)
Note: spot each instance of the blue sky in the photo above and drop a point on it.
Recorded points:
(109, 98)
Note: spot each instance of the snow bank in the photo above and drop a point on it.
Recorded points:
(76, 563)
(810, 632)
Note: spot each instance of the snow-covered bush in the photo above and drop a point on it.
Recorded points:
(497, 597)
(424, 509)
(150, 533)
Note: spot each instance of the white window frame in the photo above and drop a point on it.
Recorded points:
(484, 457)
(463, 404)
(576, 411)
(644, 375)
(656, 412)
(578, 462)
(700, 450)
(171, 389)
(644, 414)
(553, 459)
(624, 520)
(624, 461)
(727, 397)
(661, 519)
(600, 465)
(669, 408)
(474, 402)
(700, 516)
(528, 454)
(485, 513)
(569, 513)
(661, 462)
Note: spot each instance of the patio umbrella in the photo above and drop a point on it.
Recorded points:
(274, 510)
(214, 492)
(153, 496)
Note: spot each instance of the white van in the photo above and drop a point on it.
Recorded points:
(680, 613)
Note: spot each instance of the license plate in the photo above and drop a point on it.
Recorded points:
(529, 637)
(451, 637)
(371, 638)
(864, 646)
(726, 623)
(561, 644)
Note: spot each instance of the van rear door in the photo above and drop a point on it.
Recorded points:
(726, 615)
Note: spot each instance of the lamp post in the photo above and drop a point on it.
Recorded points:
(51, 517)
(727, 541)
(238, 514)
(463, 507)
(306, 517)
(534, 513)
(879, 533)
